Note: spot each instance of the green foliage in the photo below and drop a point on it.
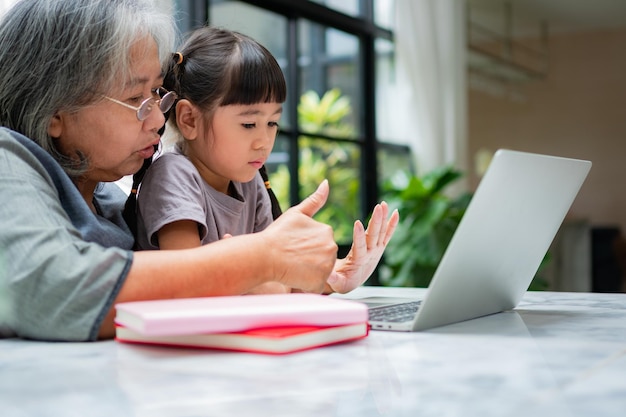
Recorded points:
(322, 159)
(326, 114)
(428, 219)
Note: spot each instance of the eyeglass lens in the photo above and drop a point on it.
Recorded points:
(165, 103)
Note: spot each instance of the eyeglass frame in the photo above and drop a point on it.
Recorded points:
(148, 104)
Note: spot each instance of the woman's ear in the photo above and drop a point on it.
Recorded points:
(187, 119)
(55, 126)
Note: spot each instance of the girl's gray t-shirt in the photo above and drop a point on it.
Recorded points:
(173, 190)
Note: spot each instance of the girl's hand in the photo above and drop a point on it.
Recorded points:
(367, 249)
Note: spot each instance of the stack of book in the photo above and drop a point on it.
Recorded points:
(273, 323)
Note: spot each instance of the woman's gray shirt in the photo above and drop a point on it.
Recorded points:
(61, 265)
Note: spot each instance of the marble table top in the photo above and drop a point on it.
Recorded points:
(556, 354)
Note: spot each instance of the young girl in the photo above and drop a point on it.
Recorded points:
(208, 187)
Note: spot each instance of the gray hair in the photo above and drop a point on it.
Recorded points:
(62, 55)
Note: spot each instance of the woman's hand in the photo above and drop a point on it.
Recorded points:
(302, 250)
(269, 287)
(367, 249)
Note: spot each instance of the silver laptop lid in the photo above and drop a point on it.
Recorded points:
(503, 236)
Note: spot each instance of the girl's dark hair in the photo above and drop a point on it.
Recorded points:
(218, 67)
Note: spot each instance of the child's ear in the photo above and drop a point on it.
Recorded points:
(187, 119)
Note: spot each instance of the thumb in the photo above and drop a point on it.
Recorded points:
(313, 203)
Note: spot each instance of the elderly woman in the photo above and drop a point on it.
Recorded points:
(81, 104)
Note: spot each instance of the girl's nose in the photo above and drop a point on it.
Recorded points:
(266, 139)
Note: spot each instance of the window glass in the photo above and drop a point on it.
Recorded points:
(330, 74)
(330, 108)
(394, 160)
(322, 159)
(349, 7)
(388, 94)
(384, 13)
(339, 162)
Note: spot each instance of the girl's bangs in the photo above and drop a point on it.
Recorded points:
(257, 80)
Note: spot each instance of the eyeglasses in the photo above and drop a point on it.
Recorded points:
(165, 101)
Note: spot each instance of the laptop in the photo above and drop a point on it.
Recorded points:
(497, 247)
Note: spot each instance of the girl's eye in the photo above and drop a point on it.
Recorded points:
(253, 125)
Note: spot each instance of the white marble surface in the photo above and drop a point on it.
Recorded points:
(557, 354)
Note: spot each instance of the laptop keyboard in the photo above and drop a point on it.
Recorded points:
(395, 313)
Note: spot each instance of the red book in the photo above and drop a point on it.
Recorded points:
(177, 317)
(276, 340)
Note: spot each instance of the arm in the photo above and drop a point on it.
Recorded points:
(184, 235)
(296, 251)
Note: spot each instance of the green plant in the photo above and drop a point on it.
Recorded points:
(325, 114)
(428, 219)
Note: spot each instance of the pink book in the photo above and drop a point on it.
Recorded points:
(186, 316)
(271, 340)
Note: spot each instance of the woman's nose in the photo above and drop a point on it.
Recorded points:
(155, 119)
